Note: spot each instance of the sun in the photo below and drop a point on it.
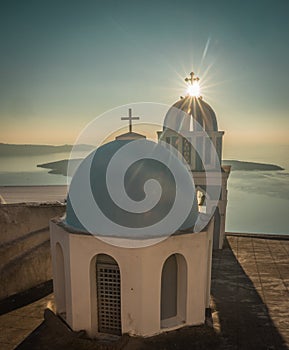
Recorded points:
(194, 90)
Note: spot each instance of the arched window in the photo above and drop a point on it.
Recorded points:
(60, 282)
(108, 294)
(202, 200)
(173, 291)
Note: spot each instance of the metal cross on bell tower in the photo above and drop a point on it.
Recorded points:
(193, 87)
(130, 118)
(192, 79)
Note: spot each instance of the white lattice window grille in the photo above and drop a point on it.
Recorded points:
(108, 298)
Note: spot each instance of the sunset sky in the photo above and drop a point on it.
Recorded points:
(63, 63)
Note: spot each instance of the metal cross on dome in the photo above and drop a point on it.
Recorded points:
(130, 118)
(192, 79)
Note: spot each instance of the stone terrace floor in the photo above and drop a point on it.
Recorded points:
(250, 293)
(250, 298)
(16, 325)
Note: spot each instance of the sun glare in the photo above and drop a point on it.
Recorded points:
(194, 89)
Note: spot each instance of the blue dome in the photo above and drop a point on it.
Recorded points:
(95, 170)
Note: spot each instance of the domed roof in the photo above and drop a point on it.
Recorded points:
(101, 187)
(178, 116)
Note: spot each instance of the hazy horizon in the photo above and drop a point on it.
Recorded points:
(274, 154)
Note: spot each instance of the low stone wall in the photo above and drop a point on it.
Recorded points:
(17, 220)
(25, 258)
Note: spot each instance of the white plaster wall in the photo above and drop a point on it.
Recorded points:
(140, 270)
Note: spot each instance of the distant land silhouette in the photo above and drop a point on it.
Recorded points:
(13, 150)
(60, 167)
(249, 166)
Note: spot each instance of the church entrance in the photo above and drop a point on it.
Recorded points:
(169, 288)
(108, 295)
(173, 291)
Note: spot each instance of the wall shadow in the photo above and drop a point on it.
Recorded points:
(244, 318)
(27, 297)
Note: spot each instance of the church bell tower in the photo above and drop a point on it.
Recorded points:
(191, 127)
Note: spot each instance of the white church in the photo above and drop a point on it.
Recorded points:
(103, 285)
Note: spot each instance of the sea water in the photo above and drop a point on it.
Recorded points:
(258, 202)
(23, 170)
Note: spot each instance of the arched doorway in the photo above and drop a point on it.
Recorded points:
(217, 228)
(60, 282)
(108, 295)
(173, 291)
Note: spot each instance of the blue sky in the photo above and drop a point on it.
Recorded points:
(62, 63)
